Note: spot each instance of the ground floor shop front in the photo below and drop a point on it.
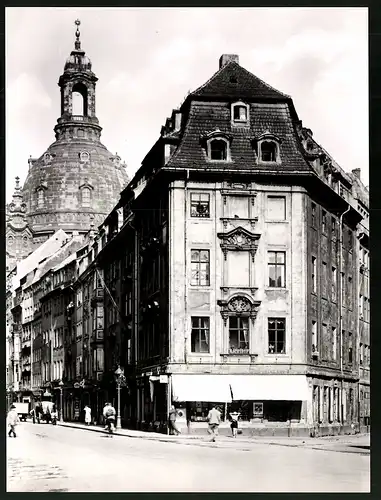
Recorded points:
(287, 405)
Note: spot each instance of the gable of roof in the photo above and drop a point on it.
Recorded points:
(234, 81)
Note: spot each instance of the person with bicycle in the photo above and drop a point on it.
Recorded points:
(109, 416)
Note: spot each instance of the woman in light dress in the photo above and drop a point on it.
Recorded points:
(87, 410)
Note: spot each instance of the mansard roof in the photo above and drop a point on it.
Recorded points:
(205, 116)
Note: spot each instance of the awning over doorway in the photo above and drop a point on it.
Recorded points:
(212, 388)
(270, 387)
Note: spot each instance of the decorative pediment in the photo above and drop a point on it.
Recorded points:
(239, 305)
(267, 135)
(86, 184)
(215, 134)
(239, 239)
(43, 185)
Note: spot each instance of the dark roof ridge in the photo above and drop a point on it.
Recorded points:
(262, 81)
(210, 79)
(198, 92)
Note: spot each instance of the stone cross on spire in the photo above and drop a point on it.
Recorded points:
(77, 44)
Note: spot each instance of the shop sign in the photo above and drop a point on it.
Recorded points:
(164, 379)
(238, 351)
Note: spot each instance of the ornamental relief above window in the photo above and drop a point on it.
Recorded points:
(239, 239)
(239, 305)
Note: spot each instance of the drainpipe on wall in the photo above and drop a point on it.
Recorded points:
(341, 305)
(185, 267)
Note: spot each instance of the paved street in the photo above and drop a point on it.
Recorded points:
(46, 458)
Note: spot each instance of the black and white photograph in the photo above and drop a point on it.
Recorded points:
(187, 250)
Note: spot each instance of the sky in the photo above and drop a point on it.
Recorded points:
(148, 59)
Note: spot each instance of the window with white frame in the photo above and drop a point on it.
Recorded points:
(218, 149)
(277, 335)
(240, 113)
(86, 197)
(268, 151)
(277, 269)
(200, 334)
(314, 340)
(200, 268)
(200, 204)
(313, 275)
(238, 334)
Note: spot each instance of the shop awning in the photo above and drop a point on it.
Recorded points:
(274, 387)
(212, 388)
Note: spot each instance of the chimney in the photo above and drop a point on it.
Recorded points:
(357, 173)
(226, 58)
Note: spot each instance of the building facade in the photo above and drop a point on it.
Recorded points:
(246, 286)
(232, 270)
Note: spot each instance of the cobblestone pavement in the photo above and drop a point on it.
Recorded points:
(47, 458)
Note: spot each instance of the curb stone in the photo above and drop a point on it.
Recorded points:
(203, 441)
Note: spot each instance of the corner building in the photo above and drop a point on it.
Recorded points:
(246, 269)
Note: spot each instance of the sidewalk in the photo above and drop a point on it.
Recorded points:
(357, 443)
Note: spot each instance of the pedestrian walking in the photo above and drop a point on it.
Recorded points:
(39, 412)
(33, 414)
(214, 420)
(12, 421)
(109, 416)
(234, 423)
(173, 429)
(87, 411)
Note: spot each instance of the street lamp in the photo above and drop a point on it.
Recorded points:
(119, 379)
(60, 383)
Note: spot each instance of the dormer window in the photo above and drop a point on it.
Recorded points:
(267, 148)
(218, 149)
(217, 145)
(268, 151)
(240, 113)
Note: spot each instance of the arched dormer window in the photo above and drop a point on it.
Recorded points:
(218, 149)
(217, 146)
(86, 194)
(268, 150)
(240, 113)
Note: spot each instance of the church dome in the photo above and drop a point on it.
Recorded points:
(76, 182)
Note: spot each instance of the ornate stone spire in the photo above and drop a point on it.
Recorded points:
(77, 43)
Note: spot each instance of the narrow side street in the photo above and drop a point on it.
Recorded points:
(44, 458)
